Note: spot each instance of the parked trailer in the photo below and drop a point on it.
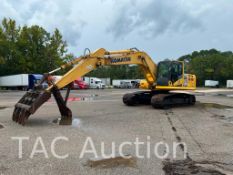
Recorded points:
(116, 83)
(211, 83)
(126, 83)
(20, 81)
(229, 83)
(14, 81)
(106, 81)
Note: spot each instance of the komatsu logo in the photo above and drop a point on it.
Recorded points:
(119, 60)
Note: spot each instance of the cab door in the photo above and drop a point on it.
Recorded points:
(170, 73)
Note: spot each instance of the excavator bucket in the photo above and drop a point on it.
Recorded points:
(28, 105)
(32, 100)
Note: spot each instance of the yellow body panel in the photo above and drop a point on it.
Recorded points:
(188, 83)
(143, 84)
(174, 88)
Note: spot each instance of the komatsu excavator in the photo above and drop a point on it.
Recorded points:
(163, 79)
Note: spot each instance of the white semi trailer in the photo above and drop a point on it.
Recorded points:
(20, 81)
(116, 83)
(211, 83)
(229, 83)
(126, 83)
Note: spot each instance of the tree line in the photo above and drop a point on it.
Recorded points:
(29, 49)
(209, 65)
(118, 72)
(32, 49)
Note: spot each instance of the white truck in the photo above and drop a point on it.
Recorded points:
(123, 84)
(126, 83)
(94, 83)
(116, 83)
(106, 81)
(20, 81)
(211, 83)
(229, 83)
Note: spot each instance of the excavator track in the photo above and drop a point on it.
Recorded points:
(136, 98)
(159, 99)
(172, 99)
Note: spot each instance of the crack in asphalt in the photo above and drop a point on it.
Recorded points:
(168, 113)
(189, 166)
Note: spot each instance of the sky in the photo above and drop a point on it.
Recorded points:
(162, 28)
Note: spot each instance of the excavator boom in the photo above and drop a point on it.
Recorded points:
(101, 57)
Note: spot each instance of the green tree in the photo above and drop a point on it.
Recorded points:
(29, 49)
(210, 64)
(118, 72)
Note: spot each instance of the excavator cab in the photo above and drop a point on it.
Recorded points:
(169, 72)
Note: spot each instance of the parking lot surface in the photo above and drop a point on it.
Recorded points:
(205, 129)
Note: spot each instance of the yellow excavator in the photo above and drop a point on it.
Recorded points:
(163, 81)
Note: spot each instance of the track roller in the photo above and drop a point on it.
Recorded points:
(158, 99)
(172, 99)
(136, 98)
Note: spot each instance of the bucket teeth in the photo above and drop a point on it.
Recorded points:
(15, 116)
(28, 104)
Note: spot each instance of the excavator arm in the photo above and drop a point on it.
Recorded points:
(32, 100)
(101, 57)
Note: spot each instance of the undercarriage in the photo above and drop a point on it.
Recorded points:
(158, 99)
